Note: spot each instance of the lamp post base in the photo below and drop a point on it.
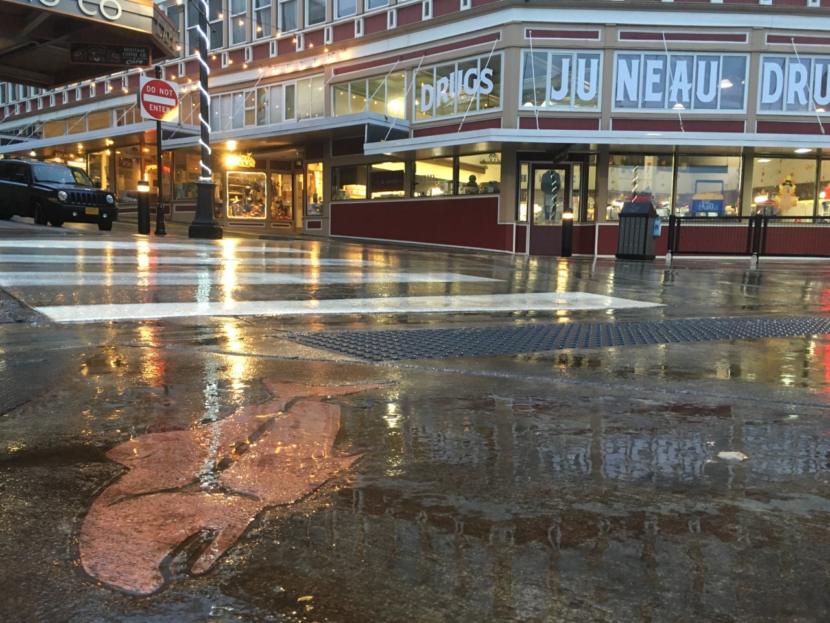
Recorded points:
(204, 225)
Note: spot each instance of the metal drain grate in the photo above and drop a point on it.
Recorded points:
(510, 340)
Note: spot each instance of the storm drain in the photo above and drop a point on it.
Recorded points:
(396, 345)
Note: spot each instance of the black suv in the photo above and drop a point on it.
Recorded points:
(53, 193)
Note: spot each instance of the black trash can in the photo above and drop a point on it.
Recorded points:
(636, 239)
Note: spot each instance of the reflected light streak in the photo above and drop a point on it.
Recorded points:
(239, 365)
(143, 255)
(152, 365)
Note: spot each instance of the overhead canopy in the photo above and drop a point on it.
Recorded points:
(48, 43)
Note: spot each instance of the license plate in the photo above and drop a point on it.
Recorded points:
(94, 211)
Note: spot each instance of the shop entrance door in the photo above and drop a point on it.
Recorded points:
(549, 187)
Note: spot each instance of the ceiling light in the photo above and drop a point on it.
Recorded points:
(803, 150)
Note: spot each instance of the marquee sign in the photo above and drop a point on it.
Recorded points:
(794, 84)
(671, 82)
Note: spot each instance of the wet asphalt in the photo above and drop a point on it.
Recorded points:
(577, 485)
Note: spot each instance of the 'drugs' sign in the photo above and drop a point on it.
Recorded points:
(794, 84)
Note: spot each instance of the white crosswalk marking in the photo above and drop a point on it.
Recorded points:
(112, 280)
(542, 301)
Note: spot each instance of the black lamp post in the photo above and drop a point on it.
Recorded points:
(204, 224)
(567, 233)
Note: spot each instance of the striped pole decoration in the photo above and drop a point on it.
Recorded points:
(205, 162)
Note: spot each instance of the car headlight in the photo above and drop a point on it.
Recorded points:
(110, 199)
(62, 196)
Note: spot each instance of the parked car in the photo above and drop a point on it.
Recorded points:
(53, 193)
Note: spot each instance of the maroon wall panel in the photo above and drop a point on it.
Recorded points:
(374, 23)
(464, 222)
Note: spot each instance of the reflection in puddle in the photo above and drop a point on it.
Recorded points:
(260, 456)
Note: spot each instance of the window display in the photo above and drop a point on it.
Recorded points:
(783, 186)
(433, 178)
(459, 88)
(708, 186)
(282, 196)
(246, 194)
(185, 175)
(314, 189)
(349, 182)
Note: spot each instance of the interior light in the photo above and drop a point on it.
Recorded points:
(803, 150)
(231, 145)
(761, 198)
(679, 106)
(33, 153)
(726, 83)
(764, 160)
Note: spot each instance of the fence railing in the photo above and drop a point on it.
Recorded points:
(805, 236)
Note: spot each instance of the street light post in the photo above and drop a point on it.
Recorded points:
(204, 224)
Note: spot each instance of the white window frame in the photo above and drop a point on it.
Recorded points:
(233, 18)
(269, 4)
(382, 4)
(482, 60)
(340, 15)
(220, 21)
(308, 22)
(282, 27)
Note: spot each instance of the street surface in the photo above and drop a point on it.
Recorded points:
(171, 449)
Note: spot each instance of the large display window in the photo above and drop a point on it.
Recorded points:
(630, 173)
(783, 186)
(246, 194)
(386, 180)
(479, 174)
(282, 197)
(185, 175)
(433, 177)
(708, 186)
(314, 189)
(561, 80)
(349, 182)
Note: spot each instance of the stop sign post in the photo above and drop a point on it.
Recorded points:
(158, 99)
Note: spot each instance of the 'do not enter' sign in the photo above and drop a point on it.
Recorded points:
(158, 99)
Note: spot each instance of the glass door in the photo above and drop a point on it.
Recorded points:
(548, 193)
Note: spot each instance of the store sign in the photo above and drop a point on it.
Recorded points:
(448, 88)
(692, 82)
(794, 84)
(128, 55)
(108, 10)
(466, 86)
(561, 80)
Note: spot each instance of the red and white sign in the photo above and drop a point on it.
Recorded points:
(158, 99)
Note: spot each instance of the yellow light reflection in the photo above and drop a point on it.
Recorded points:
(143, 255)
(152, 365)
(239, 368)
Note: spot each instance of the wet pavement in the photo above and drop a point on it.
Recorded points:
(210, 468)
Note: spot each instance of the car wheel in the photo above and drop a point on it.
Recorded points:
(40, 214)
(56, 222)
(105, 226)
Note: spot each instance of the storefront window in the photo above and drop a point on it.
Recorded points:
(384, 95)
(521, 214)
(309, 97)
(100, 170)
(823, 208)
(99, 120)
(386, 180)
(282, 197)
(150, 173)
(128, 172)
(246, 194)
(349, 182)
(52, 129)
(315, 11)
(314, 189)
(629, 173)
(783, 186)
(561, 80)
(591, 192)
(433, 178)
(185, 175)
(479, 174)
(707, 186)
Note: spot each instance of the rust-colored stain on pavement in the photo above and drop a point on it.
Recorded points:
(212, 479)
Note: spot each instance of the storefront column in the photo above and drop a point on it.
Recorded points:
(508, 188)
(602, 183)
(747, 171)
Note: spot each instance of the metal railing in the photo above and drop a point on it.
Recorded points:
(756, 235)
